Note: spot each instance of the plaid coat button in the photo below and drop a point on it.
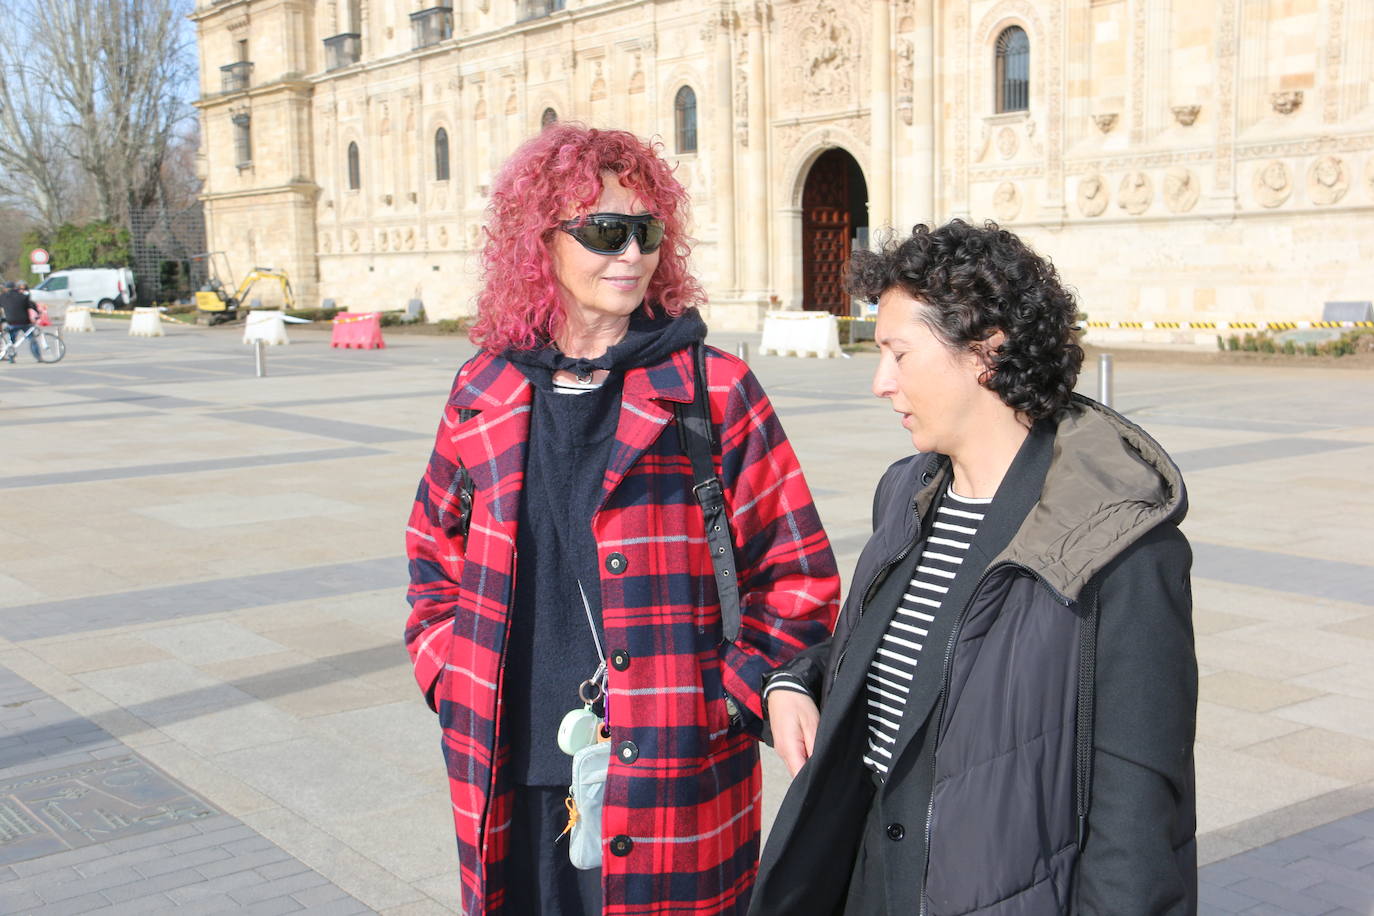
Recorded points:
(621, 845)
(620, 659)
(616, 563)
(627, 751)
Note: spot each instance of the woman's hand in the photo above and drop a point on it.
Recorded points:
(793, 717)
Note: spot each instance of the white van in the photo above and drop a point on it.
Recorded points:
(104, 288)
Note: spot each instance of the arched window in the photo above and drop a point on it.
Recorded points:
(685, 119)
(548, 117)
(1013, 70)
(441, 155)
(355, 169)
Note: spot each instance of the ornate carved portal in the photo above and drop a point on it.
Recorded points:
(834, 215)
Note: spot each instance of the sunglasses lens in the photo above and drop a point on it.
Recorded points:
(612, 234)
(609, 236)
(651, 236)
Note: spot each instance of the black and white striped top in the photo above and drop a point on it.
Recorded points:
(893, 669)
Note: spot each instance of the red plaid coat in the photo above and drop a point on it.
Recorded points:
(681, 821)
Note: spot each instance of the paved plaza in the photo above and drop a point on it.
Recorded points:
(205, 705)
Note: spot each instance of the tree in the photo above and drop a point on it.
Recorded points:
(98, 84)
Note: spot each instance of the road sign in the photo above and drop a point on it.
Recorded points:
(40, 268)
(38, 256)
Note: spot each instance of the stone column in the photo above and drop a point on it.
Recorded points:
(880, 162)
(722, 144)
(922, 199)
(756, 159)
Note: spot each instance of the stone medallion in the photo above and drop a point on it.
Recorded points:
(1092, 195)
(1327, 180)
(1136, 193)
(1272, 184)
(1181, 189)
(1006, 202)
(1007, 144)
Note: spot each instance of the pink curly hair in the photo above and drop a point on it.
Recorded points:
(555, 176)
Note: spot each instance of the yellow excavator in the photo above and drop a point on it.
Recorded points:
(220, 304)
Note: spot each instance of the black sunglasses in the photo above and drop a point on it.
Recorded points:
(610, 233)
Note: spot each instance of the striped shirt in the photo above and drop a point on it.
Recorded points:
(893, 669)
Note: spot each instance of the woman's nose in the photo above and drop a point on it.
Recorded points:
(882, 379)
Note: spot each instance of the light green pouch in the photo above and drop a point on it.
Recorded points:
(588, 793)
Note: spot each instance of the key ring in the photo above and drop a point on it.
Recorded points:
(589, 687)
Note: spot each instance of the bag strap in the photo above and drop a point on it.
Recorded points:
(695, 431)
(1083, 736)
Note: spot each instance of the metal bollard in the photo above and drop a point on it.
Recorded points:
(742, 350)
(260, 357)
(1104, 379)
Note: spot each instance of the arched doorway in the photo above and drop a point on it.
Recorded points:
(834, 218)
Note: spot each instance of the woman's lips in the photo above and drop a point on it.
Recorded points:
(625, 283)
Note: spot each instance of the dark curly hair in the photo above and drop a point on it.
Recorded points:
(976, 282)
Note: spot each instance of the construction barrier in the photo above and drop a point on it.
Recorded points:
(362, 331)
(78, 319)
(266, 325)
(1226, 325)
(146, 322)
(800, 334)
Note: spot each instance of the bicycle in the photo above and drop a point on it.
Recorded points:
(51, 347)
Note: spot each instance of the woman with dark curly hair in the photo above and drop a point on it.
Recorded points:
(567, 624)
(1007, 706)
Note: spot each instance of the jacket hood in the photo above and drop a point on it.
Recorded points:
(650, 340)
(1107, 484)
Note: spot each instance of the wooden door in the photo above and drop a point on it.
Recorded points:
(827, 227)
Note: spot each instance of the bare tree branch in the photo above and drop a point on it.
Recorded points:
(109, 86)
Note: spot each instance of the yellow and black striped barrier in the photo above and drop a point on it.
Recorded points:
(1204, 325)
(1227, 325)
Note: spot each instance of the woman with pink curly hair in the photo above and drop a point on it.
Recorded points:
(565, 582)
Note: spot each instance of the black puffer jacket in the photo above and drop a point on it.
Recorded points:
(1086, 521)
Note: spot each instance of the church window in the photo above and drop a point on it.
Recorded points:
(1013, 70)
(441, 155)
(685, 120)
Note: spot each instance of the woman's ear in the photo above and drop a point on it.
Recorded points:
(983, 354)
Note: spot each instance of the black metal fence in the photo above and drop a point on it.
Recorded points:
(164, 243)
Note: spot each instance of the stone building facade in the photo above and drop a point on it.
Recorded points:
(1210, 159)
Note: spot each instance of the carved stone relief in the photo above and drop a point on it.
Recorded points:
(598, 90)
(742, 98)
(410, 239)
(1327, 180)
(326, 243)
(353, 240)
(442, 236)
(474, 236)
(1285, 103)
(1136, 193)
(1186, 114)
(637, 77)
(1007, 143)
(1181, 189)
(1092, 195)
(1006, 202)
(827, 52)
(1105, 121)
(906, 52)
(512, 102)
(1272, 184)
(479, 107)
(382, 242)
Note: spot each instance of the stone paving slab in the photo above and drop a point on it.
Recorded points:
(236, 652)
(109, 832)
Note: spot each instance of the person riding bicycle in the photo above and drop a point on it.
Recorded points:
(20, 313)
